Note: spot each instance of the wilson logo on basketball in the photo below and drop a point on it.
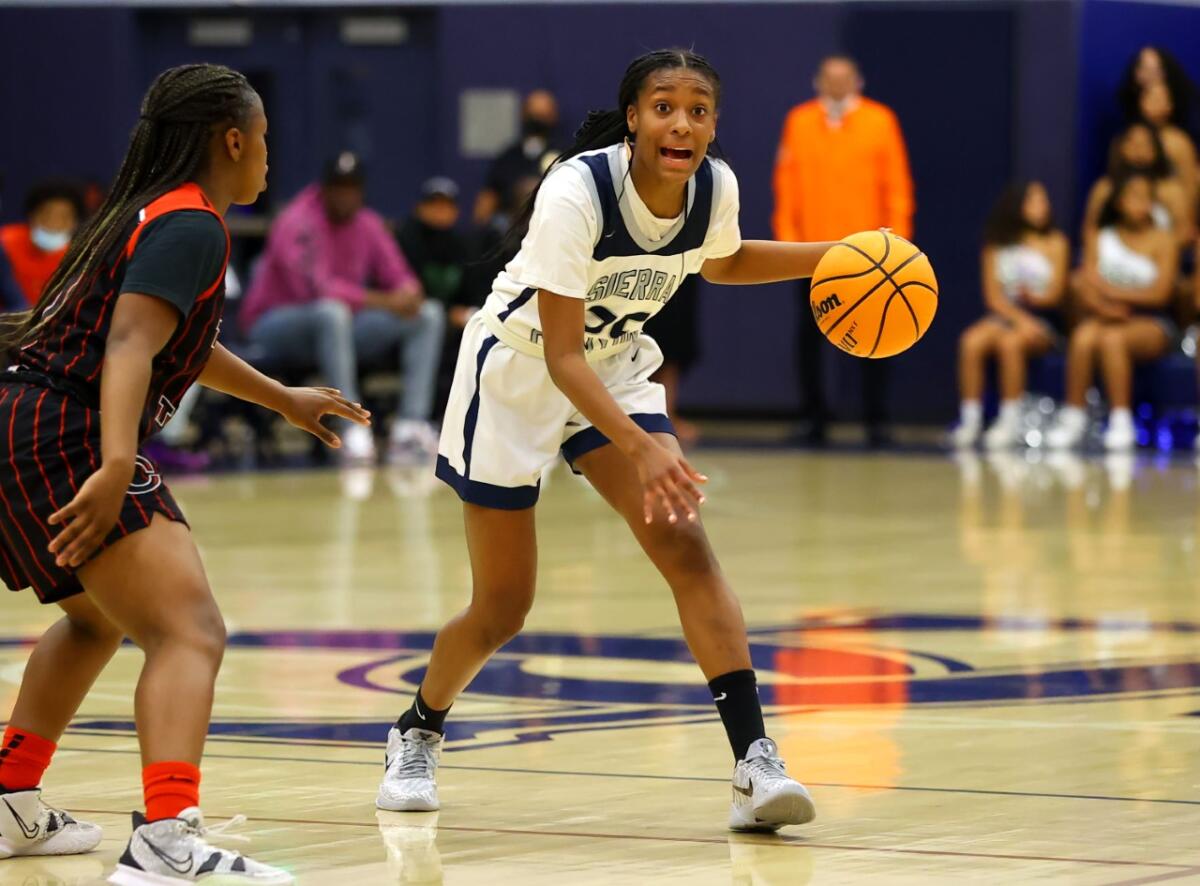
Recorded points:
(825, 305)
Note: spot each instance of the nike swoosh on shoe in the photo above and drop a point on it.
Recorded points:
(180, 867)
(30, 834)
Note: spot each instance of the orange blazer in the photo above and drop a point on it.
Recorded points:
(831, 182)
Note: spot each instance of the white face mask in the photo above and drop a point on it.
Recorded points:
(49, 241)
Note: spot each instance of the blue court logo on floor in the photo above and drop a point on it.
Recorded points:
(555, 683)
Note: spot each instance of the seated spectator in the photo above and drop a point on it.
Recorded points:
(1158, 110)
(1125, 286)
(1138, 150)
(34, 247)
(334, 291)
(531, 155)
(490, 250)
(1024, 262)
(441, 257)
(435, 250)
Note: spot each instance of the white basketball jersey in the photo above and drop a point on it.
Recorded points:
(585, 241)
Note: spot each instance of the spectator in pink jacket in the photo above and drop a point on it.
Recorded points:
(334, 290)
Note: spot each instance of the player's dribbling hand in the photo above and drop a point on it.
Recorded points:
(669, 480)
(306, 406)
(89, 516)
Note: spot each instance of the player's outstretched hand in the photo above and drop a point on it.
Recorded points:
(89, 516)
(306, 406)
(669, 480)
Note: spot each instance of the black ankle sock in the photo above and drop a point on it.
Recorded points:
(422, 716)
(736, 697)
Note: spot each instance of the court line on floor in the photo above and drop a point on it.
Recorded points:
(777, 842)
(696, 778)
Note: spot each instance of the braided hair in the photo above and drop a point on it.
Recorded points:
(601, 129)
(168, 147)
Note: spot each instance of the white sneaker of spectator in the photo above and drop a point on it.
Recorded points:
(1120, 435)
(412, 441)
(358, 446)
(1005, 431)
(1069, 427)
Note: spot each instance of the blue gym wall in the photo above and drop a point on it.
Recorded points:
(984, 91)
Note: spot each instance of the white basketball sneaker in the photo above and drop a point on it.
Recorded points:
(764, 797)
(173, 850)
(30, 827)
(410, 775)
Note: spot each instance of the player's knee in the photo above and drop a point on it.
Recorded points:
(503, 616)
(501, 625)
(207, 636)
(683, 551)
(198, 627)
(95, 628)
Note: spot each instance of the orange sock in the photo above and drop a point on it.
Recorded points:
(24, 757)
(170, 788)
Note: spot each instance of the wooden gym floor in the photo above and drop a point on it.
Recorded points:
(987, 671)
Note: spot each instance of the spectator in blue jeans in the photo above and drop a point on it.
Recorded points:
(333, 292)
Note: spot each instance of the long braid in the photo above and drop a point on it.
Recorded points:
(168, 146)
(603, 128)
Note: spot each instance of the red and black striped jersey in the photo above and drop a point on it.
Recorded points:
(69, 345)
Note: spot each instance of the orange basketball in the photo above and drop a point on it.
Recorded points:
(873, 294)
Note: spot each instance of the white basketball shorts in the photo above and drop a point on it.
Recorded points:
(506, 422)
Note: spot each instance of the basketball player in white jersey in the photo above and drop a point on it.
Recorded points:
(556, 361)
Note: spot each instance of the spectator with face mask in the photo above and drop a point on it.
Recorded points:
(531, 155)
(34, 247)
(842, 167)
(435, 249)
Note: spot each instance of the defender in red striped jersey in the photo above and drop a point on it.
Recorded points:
(127, 324)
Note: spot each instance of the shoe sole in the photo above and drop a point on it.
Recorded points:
(414, 805)
(793, 807)
(785, 808)
(127, 876)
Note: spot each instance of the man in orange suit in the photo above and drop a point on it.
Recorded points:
(842, 167)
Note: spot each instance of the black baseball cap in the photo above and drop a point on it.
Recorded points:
(345, 168)
(439, 186)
